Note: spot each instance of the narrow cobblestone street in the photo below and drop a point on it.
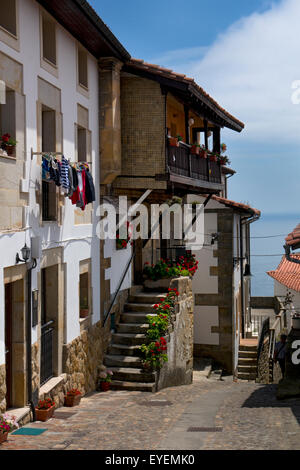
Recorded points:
(247, 416)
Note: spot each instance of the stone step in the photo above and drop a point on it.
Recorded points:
(248, 348)
(147, 298)
(129, 338)
(132, 327)
(248, 354)
(115, 360)
(124, 350)
(139, 307)
(246, 376)
(132, 386)
(128, 374)
(247, 369)
(135, 317)
(245, 361)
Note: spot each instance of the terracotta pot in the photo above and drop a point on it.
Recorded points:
(173, 142)
(3, 437)
(9, 149)
(84, 312)
(44, 415)
(212, 158)
(72, 400)
(222, 161)
(195, 150)
(203, 154)
(104, 386)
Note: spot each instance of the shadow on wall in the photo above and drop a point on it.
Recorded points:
(265, 397)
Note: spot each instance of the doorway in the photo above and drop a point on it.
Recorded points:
(15, 357)
(8, 343)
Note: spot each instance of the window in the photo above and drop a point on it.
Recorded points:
(8, 116)
(49, 202)
(49, 40)
(84, 295)
(82, 68)
(82, 144)
(8, 16)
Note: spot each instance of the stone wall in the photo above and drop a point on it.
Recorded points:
(2, 388)
(266, 369)
(35, 364)
(224, 351)
(179, 368)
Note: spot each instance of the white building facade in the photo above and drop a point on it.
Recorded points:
(51, 80)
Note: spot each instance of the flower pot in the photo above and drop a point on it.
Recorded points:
(296, 323)
(173, 142)
(72, 400)
(44, 415)
(104, 386)
(212, 158)
(84, 312)
(202, 154)
(9, 149)
(195, 150)
(222, 161)
(3, 437)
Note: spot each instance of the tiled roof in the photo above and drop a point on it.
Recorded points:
(237, 205)
(168, 73)
(288, 273)
(293, 239)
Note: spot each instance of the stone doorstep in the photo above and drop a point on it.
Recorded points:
(19, 413)
(51, 384)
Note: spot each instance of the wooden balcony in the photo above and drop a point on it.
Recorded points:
(185, 168)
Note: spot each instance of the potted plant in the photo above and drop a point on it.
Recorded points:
(45, 409)
(73, 397)
(223, 148)
(195, 149)
(179, 138)
(7, 424)
(105, 377)
(84, 308)
(224, 160)
(213, 157)
(203, 152)
(173, 141)
(8, 144)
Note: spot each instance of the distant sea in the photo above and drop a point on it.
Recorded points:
(276, 227)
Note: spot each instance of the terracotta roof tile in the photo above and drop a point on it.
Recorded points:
(171, 74)
(293, 239)
(237, 205)
(288, 273)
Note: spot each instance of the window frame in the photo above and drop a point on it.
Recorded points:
(46, 63)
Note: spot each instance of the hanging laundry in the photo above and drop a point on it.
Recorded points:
(65, 175)
(89, 187)
(78, 197)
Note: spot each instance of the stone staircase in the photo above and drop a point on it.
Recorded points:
(247, 365)
(123, 356)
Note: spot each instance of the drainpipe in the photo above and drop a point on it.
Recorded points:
(28, 340)
(241, 276)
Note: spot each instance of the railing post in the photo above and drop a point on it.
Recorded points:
(190, 165)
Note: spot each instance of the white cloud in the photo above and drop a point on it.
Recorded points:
(250, 69)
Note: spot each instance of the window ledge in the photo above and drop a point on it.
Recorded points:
(8, 157)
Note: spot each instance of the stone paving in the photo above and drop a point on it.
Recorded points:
(248, 413)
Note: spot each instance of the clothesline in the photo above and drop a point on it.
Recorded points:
(56, 154)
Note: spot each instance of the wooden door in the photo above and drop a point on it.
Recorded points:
(8, 343)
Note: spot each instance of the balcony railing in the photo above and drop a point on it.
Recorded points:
(181, 162)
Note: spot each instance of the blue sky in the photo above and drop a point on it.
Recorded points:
(246, 54)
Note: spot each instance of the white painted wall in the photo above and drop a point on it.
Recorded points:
(280, 290)
(77, 241)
